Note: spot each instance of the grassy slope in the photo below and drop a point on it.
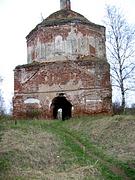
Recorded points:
(85, 148)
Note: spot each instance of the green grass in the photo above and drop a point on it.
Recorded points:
(83, 148)
(100, 155)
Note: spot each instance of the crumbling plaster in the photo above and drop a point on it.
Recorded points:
(66, 55)
(85, 83)
(68, 42)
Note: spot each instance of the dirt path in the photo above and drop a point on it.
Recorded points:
(113, 168)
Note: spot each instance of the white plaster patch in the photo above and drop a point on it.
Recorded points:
(93, 100)
(70, 85)
(32, 101)
(60, 48)
(91, 71)
(25, 75)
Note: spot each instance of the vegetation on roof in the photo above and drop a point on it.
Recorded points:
(64, 17)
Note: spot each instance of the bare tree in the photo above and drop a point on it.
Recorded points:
(120, 50)
(1, 100)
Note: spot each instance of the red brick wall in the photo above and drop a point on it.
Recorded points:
(66, 41)
(86, 84)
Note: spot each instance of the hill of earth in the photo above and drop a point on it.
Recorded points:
(89, 148)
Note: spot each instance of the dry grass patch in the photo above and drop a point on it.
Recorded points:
(79, 173)
(32, 151)
(29, 152)
(114, 134)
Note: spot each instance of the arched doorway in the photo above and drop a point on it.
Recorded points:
(60, 102)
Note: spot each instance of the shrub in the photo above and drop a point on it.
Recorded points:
(117, 108)
(33, 113)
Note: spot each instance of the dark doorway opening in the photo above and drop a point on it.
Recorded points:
(61, 103)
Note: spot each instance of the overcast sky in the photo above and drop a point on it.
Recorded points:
(19, 17)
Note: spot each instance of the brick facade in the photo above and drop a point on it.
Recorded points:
(67, 69)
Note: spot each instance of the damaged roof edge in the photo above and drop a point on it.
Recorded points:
(88, 60)
(61, 18)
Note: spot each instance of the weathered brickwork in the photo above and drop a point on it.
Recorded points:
(86, 85)
(67, 42)
(66, 60)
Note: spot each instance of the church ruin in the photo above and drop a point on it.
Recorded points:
(66, 69)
